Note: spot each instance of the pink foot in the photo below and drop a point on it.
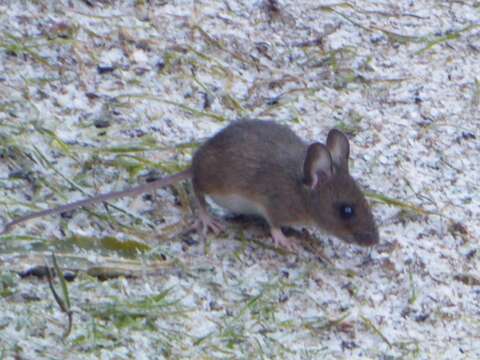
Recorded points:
(281, 240)
(206, 222)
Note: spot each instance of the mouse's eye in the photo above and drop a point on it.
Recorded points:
(346, 211)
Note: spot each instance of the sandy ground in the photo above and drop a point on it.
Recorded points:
(96, 94)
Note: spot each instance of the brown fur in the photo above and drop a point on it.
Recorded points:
(263, 161)
(250, 158)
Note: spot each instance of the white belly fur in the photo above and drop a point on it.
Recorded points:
(239, 204)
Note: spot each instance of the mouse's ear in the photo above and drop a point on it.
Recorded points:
(339, 147)
(317, 166)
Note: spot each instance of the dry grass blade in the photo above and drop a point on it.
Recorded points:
(327, 324)
(372, 327)
(468, 279)
(63, 303)
(235, 54)
(453, 35)
(102, 265)
(184, 107)
(400, 204)
(413, 291)
(476, 96)
(18, 45)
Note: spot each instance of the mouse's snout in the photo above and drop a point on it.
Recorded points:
(366, 238)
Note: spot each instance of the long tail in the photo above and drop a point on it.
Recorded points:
(137, 190)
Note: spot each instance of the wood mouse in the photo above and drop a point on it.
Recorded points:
(263, 168)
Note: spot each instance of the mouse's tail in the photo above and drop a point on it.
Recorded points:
(137, 190)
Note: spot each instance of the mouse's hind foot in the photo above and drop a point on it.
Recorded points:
(280, 240)
(206, 222)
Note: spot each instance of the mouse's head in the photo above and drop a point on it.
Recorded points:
(337, 203)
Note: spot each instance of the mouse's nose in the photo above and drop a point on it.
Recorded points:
(367, 238)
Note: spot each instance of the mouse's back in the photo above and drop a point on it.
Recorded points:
(257, 160)
(254, 139)
(247, 151)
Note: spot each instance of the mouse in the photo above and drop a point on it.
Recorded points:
(263, 168)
